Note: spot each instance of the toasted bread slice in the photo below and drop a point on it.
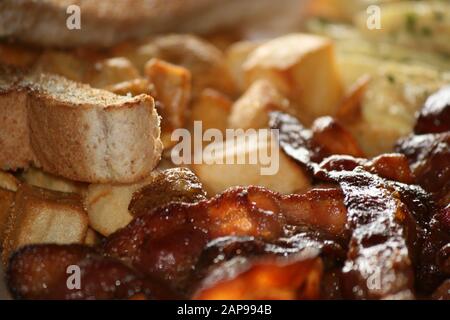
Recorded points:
(44, 216)
(6, 201)
(75, 131)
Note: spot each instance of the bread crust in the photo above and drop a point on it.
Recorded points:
(77, 132)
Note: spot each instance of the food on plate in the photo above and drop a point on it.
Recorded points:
(304, 154)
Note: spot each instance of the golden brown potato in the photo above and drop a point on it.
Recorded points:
(41, 179)
(212, 109)
(303, 68)
(107, 205)
(273, 170)
(64, 64)
(235, 56)
(111, 71)
(205, 62)
(252, 108)
(8, 181)
(173, 92)
(134, 87)
(44, 216)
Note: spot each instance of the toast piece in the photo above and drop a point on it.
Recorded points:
(75, 131)
(303, 68)
(6, 201)
(44, 216)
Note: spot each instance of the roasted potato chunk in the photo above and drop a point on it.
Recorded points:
(212, 109)
(111, 71)
(218, 174)
(205, 62)
(107, 205)
(236, 55)
(303, 68)
(44, 216)
(173, 92)
(41, 179)
(251, 109)
(8, 181)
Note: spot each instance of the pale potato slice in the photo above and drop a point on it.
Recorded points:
(107, 205)
(303, 68)
(252, 109)
(44, 216)
(216, 175)
(212, 108)
(111, 71)
(92, 238)
(172, 86)
(8, 181)
(49, 181)
(235, 57)
(205, 62)
(64, 64)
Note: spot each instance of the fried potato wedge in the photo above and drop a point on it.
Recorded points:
(252, 108)
(172, 86)
(8, 181)
(276, 172)
(212, 108)
(303, 68)
(41, 179)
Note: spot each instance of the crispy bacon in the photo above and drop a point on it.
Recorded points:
(435, 115)
(169, 241)
(269, 278)
(41, 272)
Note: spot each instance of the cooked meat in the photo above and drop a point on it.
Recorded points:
(435, 115)
(171, 185)
(295, 277)
(42, 272)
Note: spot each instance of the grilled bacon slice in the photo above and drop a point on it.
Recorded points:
(379, 260)
(169, 241)
(435, 114)
(268, 278)
(41, 272)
